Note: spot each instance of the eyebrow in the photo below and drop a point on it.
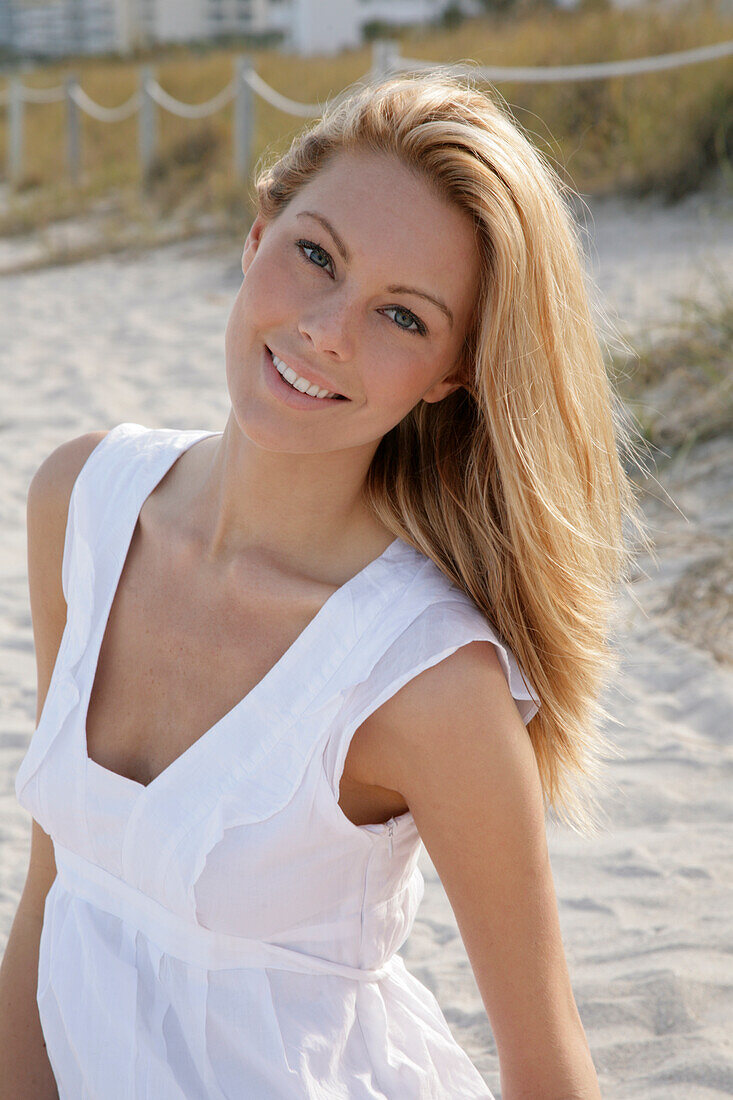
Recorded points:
(393, 288)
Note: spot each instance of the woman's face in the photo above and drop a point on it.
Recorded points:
(375, 308)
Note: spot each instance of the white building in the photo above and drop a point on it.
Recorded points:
(323, 26)
(326, 26)
(58, 27)
(62, 27)
(188, 20)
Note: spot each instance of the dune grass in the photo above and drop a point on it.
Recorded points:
(661, 132)
(680, 393)
(680, 389)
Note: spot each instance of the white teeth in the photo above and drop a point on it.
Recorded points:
(298, 383)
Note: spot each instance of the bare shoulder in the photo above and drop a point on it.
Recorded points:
(47, 506)
(47, 502)
(453, 742)
(454, 699)
(51, 485)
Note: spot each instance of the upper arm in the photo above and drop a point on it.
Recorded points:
(455, 747)
(47, 506)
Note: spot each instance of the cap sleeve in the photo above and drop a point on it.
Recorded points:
(432, 635)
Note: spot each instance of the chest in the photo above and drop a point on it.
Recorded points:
(182, 646)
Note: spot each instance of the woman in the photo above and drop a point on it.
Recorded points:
(371, 612)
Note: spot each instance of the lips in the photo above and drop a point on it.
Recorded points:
(313, 379)
(289, 395)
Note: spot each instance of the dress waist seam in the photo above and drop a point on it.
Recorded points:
(175, 935)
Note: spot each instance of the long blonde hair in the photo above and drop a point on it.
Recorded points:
(513, 485)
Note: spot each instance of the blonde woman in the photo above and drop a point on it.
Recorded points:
(368, 614)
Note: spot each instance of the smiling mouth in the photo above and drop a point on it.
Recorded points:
(333, 397)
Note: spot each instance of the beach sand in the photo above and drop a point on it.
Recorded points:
(646, 907)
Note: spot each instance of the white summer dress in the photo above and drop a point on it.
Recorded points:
(226, 932)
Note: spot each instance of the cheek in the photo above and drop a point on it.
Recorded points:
(388, 398)
(261, 297)
(397, 385)
(233, 332)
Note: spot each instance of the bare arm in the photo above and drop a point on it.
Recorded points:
(457, 750)
(25, 1071)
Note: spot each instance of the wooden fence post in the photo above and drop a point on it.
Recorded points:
(147, 134)
(385, 55)
(244, 104)
(392, 56)
(15, 130)
(73, 131)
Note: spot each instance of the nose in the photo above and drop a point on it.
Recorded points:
(327, 328)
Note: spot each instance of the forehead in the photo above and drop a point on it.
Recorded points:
(386, 211)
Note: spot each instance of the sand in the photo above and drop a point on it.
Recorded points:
(646, 908)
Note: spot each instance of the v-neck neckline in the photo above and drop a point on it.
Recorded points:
(196, 746)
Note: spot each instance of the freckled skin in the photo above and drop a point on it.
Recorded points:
(283, 483)
(336, 316)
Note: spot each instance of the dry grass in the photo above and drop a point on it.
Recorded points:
(680, 391)
(700, 605)
(659, 132)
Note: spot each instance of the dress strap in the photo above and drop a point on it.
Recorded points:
(110, 489)
(95, 494)
(108, 494)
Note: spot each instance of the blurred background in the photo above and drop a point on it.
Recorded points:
(129, 133)
(100, 96)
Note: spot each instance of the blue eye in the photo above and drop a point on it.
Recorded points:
(399, 309)
(314, 247)
(310, 246)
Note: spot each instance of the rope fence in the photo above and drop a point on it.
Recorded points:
(191, 110)
(247, 83)
(104, 114)
(582, 72)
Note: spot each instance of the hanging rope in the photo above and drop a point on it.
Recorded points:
(191, 110)
(576, 72)
(41, 95)
(105, 114)
(291, 106)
